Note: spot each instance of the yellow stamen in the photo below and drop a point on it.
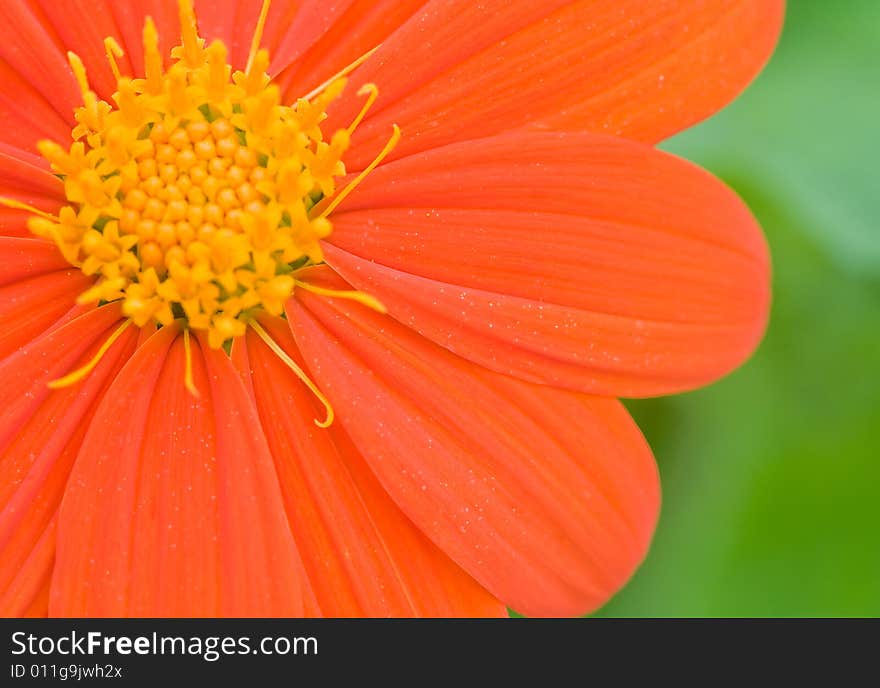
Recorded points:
(18, 205)
(81, 373)
(299, 372)
(392, 142)
(345, 71)
(372, 92)
(79, 72)
(217, 68)
(189, 34)
(113, 50)
(188, 368)
(258, 35)
(152, 58)
(360, 297)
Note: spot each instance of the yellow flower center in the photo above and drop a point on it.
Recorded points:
(197, 194)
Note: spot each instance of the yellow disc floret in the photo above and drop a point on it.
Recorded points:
(192, 195)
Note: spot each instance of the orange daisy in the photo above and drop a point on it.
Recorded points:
(314, 308)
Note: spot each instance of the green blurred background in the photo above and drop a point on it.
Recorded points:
(771, 477)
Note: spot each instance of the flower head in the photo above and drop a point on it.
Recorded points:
(437, 230)
(194, 193)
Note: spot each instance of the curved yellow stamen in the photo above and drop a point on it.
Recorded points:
(188, 368)
(372, 92)
(258, 35)
(79, 72)
(299, 372)
(360, 297)
(338, 198)
(81, 373)
(345, 71)
(113, 50)
(18, 205)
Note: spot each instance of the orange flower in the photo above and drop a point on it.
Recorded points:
(440, 233)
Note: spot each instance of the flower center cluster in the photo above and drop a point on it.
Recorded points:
(194, 194)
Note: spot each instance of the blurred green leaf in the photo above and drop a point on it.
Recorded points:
(772, 476)
(809, 128)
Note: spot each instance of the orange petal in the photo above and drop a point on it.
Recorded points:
(35, 290)
(547, 498)
(362, 555)
(25, 177)
(33, 306)
(25, 594)
(35, 460)
(352, 33)
(27, 173)
(173, 507)
(462, 70)
(27, 371)
(128, 18)
(32, 50)
(23, 258)
(231, 21)
(578, 260)
(82, 25)
(293, 26)
(25, 114)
